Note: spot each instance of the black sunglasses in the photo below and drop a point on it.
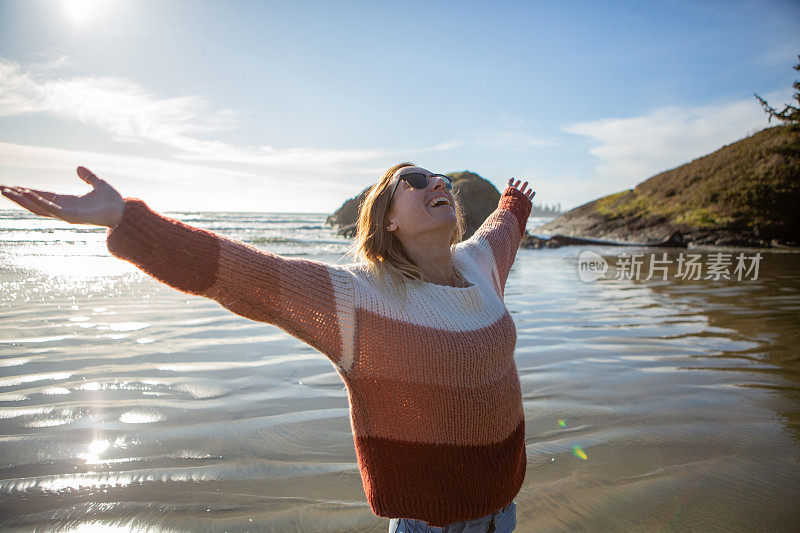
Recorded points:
(418, 180)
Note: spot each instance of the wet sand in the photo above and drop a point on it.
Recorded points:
(650, 405)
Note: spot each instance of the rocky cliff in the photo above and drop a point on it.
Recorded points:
(477, 197)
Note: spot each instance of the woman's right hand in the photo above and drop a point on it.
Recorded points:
(103, 206)
(529, 192)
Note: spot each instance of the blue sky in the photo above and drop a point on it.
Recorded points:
(296, 106)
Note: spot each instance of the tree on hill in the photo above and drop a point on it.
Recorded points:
(790, 115)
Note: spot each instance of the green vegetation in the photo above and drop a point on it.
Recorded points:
(752, 183)
(630, 204)
(624, 204)
(702, 218)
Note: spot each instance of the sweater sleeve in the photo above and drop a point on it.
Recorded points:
(501, 233)
(308, 299)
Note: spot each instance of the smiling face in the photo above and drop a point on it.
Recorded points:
(412, 213)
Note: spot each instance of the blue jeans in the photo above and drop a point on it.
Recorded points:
(505, 520)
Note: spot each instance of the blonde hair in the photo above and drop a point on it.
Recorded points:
(378, 249)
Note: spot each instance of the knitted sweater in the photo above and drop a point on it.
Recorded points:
(434, 395)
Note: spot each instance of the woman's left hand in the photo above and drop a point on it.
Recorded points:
(529, 193)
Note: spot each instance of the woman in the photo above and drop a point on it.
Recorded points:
(417, 329)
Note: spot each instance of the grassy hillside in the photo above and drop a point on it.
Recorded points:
(751, 186)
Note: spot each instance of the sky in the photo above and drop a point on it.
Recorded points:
(296, 106)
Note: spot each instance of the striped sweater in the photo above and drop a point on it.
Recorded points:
(434, 395)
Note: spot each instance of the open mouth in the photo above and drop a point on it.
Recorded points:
(439, 201)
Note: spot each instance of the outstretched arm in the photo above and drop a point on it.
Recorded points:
(501, 232)
(102, 206)
(308, 299)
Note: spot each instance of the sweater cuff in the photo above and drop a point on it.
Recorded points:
(180, 255)
(519, 204)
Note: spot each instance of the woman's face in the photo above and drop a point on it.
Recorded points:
(410, 214)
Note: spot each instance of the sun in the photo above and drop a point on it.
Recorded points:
(81, 12)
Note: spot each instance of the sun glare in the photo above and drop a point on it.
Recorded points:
(81, 12)
(94, 451)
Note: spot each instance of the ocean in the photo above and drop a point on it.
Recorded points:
(663, 404)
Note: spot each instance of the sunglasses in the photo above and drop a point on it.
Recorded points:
(418, 180)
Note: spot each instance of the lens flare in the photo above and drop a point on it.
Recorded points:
(578, 452)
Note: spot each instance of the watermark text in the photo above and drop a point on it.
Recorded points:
(686, 266)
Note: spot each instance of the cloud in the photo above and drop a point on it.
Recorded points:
(184, 185)
(180, 164)
(132, 114)
(142, 168)
(631, 150)
(122, 108)
(172, 185)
